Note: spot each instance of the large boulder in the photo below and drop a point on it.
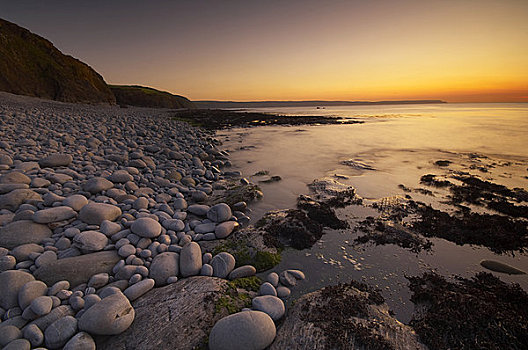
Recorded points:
(11, 282)
(96, 213)
(55, 160)
(54, 214)
(77, 269)
(163, 266)
(15, 198)
(112, 315)
(22, 232)
(246, 330)
(178, 316)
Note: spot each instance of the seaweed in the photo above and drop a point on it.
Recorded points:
(478, 313)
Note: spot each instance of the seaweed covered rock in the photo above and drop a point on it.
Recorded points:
(481, 312)
(345, 316)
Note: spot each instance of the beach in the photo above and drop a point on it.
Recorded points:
(135, 227)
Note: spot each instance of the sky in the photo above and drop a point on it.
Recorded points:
(457, 51)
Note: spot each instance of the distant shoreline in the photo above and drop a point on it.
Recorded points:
(313, 103)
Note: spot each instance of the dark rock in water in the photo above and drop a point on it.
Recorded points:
(78, 269)
(142, 96)
(290, 227)
(443, 162)
(342, 317)
(501, 267)
(31, 65)
(178, 316)
(473, 312)
(320, 212)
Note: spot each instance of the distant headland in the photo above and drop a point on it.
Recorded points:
(311, 103)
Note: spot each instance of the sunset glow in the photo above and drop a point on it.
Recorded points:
(458, 51)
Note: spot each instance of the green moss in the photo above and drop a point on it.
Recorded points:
(232, 301)
(189, 121)
(245, 255)
(248, 283)
(266, 260)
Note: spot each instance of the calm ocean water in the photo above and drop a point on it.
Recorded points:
(400, 143)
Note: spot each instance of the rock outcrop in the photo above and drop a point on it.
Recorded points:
(141, 96)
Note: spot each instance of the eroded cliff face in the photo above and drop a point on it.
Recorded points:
(30, 65)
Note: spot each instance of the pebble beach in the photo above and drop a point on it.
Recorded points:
(99, 206)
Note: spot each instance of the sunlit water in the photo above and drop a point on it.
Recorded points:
(401, 143)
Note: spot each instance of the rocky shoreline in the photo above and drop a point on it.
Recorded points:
(125, 228)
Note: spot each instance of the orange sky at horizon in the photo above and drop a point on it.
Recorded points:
(456, 51)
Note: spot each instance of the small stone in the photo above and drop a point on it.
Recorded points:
(34, 335)
(15, 177)
(81, 341)
(206, 270)
(90, 241)
(141, 203)
(96, 213)
(7, 262)
(163, 266)
(190, 259)
(146, 227)
(205, 228)
(90, 300)
(8, 334)
(22, 252)
(109, 228)
(11, 282)
(273, 278)
(219, 213)
(251, 330)
(127, 250)
(18, 344)
(283, 292)
(267, 289)
(76, 201)
(225, 228)
(298, 274)
(55, 160)
(112, 315)
(269, 304)
(198, 209)
(45, 258)
(55, 214)
(97, 184)
(41, 305)
(60, 331)
(98, 280)
(138, 289)
(30, 291)
(121, 176)
(287, 279)
(242, 271)
(223, 263)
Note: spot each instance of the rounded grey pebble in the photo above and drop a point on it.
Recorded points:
(223, 263)
(30, 291)
(242, 271)
(273, 278)
(283, 292)
(269, 304)
(8, 334)
(41, 305)
(267, 289)
(34, 335)
(80, 341)
(248, 330)
(136, 290)
(60, 331)
(18, 344)
(206, 270)
(146, 227)
(219, 213)
(287, 279)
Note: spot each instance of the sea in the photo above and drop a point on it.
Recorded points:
(388, 152)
